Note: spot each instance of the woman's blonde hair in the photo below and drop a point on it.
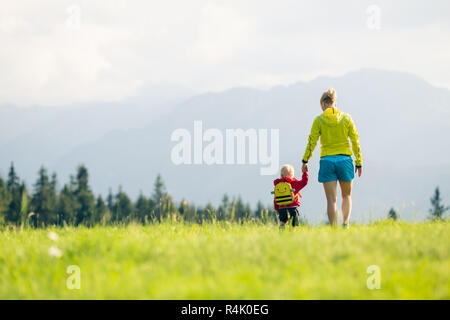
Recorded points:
(329, 97)
(287, 171)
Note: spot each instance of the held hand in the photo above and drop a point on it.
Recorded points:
(305, 167)
(359, 170)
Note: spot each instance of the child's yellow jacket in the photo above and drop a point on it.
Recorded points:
(334, 127)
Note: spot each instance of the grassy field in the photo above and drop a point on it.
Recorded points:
(227, 262)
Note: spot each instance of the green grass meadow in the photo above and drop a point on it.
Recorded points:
(227, 261)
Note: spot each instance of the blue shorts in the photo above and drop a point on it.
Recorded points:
(337, 167)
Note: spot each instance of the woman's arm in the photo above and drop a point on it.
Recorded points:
(312, 140)
(356, 147)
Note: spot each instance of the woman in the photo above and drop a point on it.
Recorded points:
(334, 128)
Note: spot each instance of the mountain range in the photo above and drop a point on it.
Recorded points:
(403, 124)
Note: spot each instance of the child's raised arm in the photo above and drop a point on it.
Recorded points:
(300, 184)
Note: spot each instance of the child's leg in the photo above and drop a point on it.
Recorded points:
(283, 216)
(295, 217)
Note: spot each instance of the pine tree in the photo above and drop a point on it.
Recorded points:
(85, 197)
(187, 212)
(101, 211)
(272, 214)
(167, 208)
(233, 210)
(209, 213)
(67, 206)
(43, 200)
(24, 204)
(183, 209)
(13, 179)
(393, 214)
(224, 210)
(159, 190)
(123, 207)
(142, 211)
(13, 185)
(110, 201)
(5, 199)
(248, 214)
(259, 212)
(437, 210)
(159, 197)
(240, 209)
(54, 198)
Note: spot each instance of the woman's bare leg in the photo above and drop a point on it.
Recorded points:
(330, 192)
(346, 189)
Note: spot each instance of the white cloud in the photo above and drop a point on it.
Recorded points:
(221, 32)
(61, 65)
(121, 46)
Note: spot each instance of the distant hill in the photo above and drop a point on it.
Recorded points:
(402, 120)
(42, 135)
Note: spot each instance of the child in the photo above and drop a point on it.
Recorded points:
(287, 175)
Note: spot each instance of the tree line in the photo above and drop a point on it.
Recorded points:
(75, 204)
(436, 212)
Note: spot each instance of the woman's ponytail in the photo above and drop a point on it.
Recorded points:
(329, 97)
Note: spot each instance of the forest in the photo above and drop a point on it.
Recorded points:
(75, 204)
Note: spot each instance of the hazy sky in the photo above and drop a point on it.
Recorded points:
(64, 52)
